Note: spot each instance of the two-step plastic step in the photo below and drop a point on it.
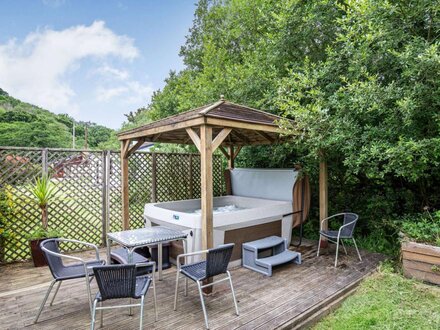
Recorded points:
(280, 254)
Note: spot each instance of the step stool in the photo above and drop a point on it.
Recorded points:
(280, 254)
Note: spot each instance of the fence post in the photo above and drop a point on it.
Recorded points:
(153, 178)
(105, 195)
(44, 160)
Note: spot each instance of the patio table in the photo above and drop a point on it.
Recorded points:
(137, 238)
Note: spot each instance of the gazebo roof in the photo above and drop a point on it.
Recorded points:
(249, 126)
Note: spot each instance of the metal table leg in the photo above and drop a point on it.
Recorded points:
(109, 242)
(159, 261)
(130, 261)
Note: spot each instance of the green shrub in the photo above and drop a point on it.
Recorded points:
(6, 212)
(40, 233)
(423, 228)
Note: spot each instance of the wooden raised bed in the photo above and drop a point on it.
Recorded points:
(421, 261)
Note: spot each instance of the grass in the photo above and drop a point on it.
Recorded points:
(387, 300)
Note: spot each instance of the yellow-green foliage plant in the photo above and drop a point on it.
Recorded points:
(44, 192)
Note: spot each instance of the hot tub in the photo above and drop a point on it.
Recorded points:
(236, 219)
(261, 206)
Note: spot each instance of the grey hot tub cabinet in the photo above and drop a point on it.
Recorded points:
(280, 254)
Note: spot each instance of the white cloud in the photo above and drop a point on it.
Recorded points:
(111, 72)
(36, 69)
(130, 93)
(138, 93)
(106, 94)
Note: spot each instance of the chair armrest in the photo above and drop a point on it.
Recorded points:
(183, 255)
(82, 243)
(62, 255)
(330, 217)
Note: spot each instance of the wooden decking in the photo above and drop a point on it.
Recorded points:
(293, 296)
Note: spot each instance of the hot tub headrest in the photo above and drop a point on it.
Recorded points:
(276, 184)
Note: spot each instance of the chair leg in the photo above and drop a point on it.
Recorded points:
(92, 325)
(233, 293)
(154, 299)
(44, 300)
(186, 287)
(55, 294)
(141, 317)
(89, 294)
(343, 245)
(203, 304)
(101, 316)
(177, 290)
(355, 245)
(319, 245)
(337, 251)
(130, 309)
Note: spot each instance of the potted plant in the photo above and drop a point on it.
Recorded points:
(43, 192)
(420, 247)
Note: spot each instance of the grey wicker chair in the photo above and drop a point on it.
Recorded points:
(121, 281)
(346, 231)
(216, 263)
(62, 272)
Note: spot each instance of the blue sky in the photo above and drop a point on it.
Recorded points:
(94, 60)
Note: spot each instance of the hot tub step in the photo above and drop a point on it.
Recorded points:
(279, 259)
(279, 254)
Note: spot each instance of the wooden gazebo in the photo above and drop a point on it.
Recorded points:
(222, 125)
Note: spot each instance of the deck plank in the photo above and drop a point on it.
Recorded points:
(264, 302)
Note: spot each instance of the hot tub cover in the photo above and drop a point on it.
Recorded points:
(275, 184)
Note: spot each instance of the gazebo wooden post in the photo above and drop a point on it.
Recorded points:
(206, 185)
(323, 197)
(124, 184)
(231, 157)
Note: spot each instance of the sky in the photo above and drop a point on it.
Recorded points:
(95, 60)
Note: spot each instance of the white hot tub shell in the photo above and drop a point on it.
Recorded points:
(263, 208)
(248, 213)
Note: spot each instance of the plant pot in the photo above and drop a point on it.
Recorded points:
(421, 261)
(37, 254)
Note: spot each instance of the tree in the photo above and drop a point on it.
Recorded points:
(371, 107)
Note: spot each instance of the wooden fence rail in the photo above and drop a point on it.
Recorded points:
(89, 191)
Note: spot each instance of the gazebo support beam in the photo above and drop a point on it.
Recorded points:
(266, 136)
(206, 186)
(237, 151)
(231, 157)
(224, 152)
(220, 138)
(232, 154)
(195, 138)
(135, 147)
(124, 184)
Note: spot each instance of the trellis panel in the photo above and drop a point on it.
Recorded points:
(89, 190)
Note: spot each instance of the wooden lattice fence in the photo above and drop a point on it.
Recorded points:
(89, 190)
